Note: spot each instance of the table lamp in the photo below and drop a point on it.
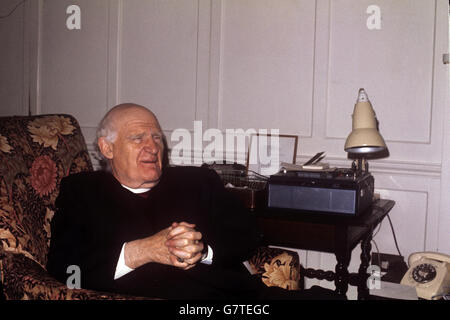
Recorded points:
(365, 139)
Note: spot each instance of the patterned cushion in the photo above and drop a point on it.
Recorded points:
(35, 154)
(277, 267)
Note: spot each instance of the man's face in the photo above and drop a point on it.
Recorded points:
(136, 154)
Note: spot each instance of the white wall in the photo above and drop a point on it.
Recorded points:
(12, 60)
(295, 65)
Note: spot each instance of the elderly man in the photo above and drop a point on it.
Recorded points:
(147, 229)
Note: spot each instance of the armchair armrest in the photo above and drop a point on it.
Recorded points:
(24, 279)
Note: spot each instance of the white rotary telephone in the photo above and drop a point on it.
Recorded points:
(429, 273)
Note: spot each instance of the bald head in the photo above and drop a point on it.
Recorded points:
(111, 122)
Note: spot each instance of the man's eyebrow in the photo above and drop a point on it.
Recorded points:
(136, 135)
(143, 133)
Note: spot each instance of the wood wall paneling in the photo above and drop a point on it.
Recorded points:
(267, 58)
(159, 58)
(73, 66)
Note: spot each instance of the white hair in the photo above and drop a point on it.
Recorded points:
(106, 129)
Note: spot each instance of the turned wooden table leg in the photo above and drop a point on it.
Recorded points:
(342, 274)
(366, 247)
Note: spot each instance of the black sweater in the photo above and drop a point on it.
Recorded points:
(96, 216)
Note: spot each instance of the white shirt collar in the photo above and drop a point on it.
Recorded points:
(138, 190)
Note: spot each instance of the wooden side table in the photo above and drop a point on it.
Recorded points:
(327, 233)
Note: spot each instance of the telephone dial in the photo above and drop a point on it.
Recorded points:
(429, 273)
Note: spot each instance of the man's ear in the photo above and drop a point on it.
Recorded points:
(106, 147)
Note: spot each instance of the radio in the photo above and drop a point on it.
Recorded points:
(337, 191)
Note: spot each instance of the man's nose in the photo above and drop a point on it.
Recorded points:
(151, 146)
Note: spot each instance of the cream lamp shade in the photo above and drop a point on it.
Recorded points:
(364, 137)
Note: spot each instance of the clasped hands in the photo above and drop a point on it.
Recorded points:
(179, 245)
(184, 244)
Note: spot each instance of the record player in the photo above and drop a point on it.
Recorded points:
(337, 191)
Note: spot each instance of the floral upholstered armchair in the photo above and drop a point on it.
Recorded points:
(36, 152)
